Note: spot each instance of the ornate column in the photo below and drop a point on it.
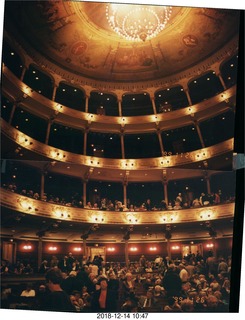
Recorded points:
(50, 121)
(42, 185)
(84, 246)
(120, 107)
(39, 252)
(54, 92)
(12, 113)
(165, 185)
(85, 136)
(160, 141)
(84, 193)
(168, 236)
(213, 235)
(195, 122)
(214, 247)
(86, 102)
(126, 254)
(122, 144)
(23, 73)
(168, 248)
(188, 96)
(165, 188)
(222, 81)
(125, 193)
(153, 105)
(207, 178)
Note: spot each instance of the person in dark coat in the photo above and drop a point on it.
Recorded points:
(69, 283)
(104, 299)
(57, 299)
(172, 282)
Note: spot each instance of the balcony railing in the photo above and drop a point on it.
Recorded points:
(34, 207)
(56, 154)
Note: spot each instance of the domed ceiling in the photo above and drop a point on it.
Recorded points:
(78, 37)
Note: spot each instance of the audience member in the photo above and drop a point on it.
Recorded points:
(57, 299)
(103, 299)
(28, 292)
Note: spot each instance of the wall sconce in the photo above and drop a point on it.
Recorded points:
(153, 249)
(27, 91)
(169, 217)
(131, 218)
(175, 247)
(123, 122)
(23, 140)
(52, 248)
(167, 161)
(206, 214)
(133, 249)
(90, 118)
(209, 245)
(27, 247)
(58, 107)
(111, 249)
(25, 204)
(77, 249)
(96, 217)
(60, 212)
(56, 154)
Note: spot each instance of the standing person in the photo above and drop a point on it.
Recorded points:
(57, 299)
(142, 262)
(211, 264)
(54, 262)
(113, 283)
(128, 285)
(148, 205)
(43, 267)
(69, 262)
(172, 282)
(204, 199)
(104, 299)
(183, 274)
(62, 264)
(179, 199)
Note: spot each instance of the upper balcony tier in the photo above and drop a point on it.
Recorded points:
(25, 97)
(13, 139)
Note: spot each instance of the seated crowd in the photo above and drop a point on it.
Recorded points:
(192, 284)
(76, 200)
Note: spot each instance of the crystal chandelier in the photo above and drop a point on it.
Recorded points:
(137, 22)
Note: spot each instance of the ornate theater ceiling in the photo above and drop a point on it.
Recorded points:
(78, 37)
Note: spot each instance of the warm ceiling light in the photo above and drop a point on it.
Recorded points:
(137, 22)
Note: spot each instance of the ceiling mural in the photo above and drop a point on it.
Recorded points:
(78, 36)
